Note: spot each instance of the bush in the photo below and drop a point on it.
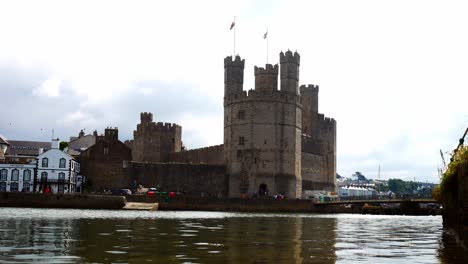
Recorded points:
(449, 181)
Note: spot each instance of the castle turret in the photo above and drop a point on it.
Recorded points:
(266, 79)
(233, 75)
(289, 71)
(309, 95)
(146, 117)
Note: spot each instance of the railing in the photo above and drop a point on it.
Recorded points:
(53, 181)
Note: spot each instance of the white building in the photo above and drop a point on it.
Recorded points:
(16, 177)
(56, 170)
(356, 191)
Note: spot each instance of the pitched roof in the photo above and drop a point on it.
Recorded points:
(83, 142)
(3, 140)
(26, 148)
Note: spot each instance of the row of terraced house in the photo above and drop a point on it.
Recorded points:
(29, 166)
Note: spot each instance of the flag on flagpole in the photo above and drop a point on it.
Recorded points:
(265, 35)
(232, 25)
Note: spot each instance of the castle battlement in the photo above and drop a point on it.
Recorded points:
(309, 89)
(260, 95)
(146, 117)
(326, 123)
(238, 62)
(289, 57)
(269, 70)
(157, 127)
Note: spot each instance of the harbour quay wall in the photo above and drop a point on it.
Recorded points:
(188, 203)
(455, 214)
(77, 201)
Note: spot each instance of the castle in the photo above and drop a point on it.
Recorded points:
(275, 140)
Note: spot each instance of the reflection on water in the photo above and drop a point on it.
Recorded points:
(84, 236)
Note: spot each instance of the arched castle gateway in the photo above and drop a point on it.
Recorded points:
(275, 141)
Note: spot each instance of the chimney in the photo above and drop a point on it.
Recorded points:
(55, 144)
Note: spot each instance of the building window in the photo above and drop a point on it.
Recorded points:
(15, 175)
(26, 187)
(61, 188)
(44, 176)
(27, 175)
(106, 151)
(3, 175)
(2, 186)
(239, 154)
(241, 140)
(61, 176)
(14, 187)
(45, 162)
(62, 163)
(241, 115)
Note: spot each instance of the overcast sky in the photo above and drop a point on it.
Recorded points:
(394, 74)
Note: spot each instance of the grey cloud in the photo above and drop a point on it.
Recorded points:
(27, 113)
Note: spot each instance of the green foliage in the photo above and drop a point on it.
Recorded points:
(402, 187)
(383, 188)
(448, 183)
(436, 193)
(360, 176)
(63, 145)
(397, 185)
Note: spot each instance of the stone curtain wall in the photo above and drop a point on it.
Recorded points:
(213, 155)
(190, 179)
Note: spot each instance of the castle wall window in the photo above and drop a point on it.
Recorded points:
(14, 187)
(61, 188)
(27, 175)
(241, 115)
(62, 163)
(239, 154)
(45, 162)
(2, 186)
(44, 176)
(241, 140)
(3, 175)
(15, 175)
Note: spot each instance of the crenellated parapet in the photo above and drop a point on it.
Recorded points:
(233, 75)
(289, 57)
(309, 89)
(237, 62)
(326, 123)
(270, 96)
(289, 71)
(266, 79)
(158, 127)
(146, 117)
(213, 155)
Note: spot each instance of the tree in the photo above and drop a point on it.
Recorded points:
(63, 145)
(397, 185)
(360, 176)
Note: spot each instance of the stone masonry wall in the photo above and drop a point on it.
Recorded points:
(190, 179)
(154, 141)
(213, 155)
(262, 145)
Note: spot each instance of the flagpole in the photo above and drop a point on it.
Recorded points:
(267, 44)
(234, 55)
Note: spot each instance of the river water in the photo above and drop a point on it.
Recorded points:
(105, 236)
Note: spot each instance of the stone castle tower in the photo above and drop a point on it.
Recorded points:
(263, 128)
(152, 142)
